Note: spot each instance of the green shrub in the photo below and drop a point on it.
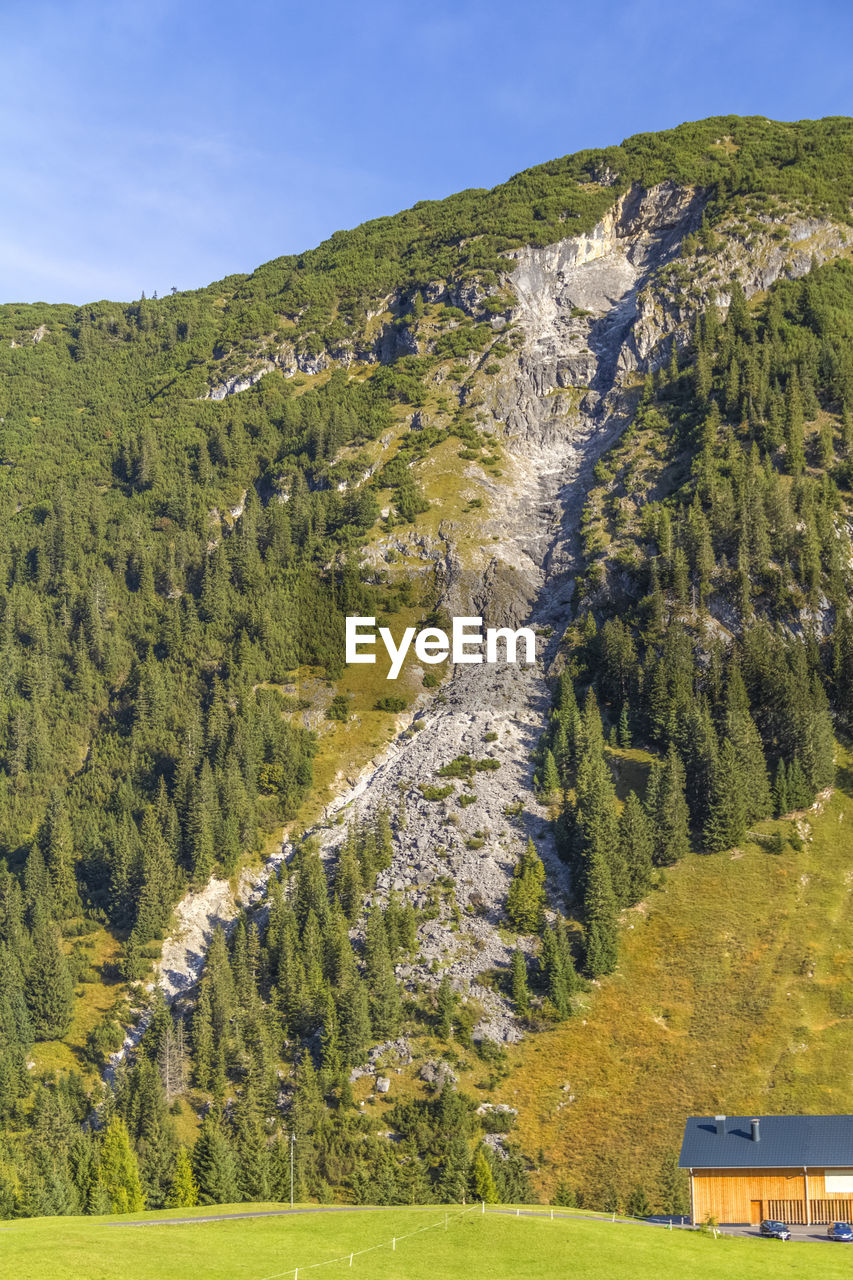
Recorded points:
(391, 702)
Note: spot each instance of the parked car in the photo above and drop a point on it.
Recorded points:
(774, 1230)
(840, 1231)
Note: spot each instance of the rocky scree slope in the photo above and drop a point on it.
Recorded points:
(595, 312)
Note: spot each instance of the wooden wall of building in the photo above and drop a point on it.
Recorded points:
(727, 1194)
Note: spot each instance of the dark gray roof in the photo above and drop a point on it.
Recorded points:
(816, 1141)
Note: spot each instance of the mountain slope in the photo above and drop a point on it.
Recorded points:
(462, 409)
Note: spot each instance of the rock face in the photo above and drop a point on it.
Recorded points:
(578, 298)
(593, 311)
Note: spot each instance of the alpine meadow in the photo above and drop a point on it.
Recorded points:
(273, 926)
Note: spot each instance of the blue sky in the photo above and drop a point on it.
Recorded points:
(147, 144)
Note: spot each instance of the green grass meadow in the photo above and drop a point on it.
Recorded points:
(503, 1248)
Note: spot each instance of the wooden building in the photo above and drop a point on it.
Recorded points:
(797, 1169)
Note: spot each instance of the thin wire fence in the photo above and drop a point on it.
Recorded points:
(383, 1244)
(448, 1218)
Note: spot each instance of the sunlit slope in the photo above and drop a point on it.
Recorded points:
(733, 994)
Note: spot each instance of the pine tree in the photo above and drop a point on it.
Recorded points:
(142, 1103)
(727, 822)
(49, 991)
(796, 457)
(672, 1188)
(638, 1205)
(383, 838)
(780, 790)
(698, 746)
(600, 917)
(250, 1146)
(330, 1038)
(307, 1109)
(526, 898)
(408, 928)
(354, 1015)
(445, 1005)
(201, 824)
(672, 817)
(518, 977)
(597, 814)
(636, 848)
(348, 882)
(800, 794)
(183, 1192)
(550, 775)
(203, 1039)
(338, 958)
(483, 1179)
(455, 1170)
(556, 972)
(739, 727)
(156, 896)
(118, 1174)
(385, 1010)
(213, 1165)
(58, 847)
(132, 963)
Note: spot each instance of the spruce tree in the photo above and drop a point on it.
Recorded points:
(58, 847)
(550, 775)
(727, 822)
(330, 1038)
(672, 1188)
(445, 1007)
(526, 898)
(636, 848)
(213, 1165)
(203, 1039)
(455, 1171)
(183, 1192)
(800, 794)
(348, 882)
(597, 815)
(202, 817)
(385, 1010)
(250, 1146)
(554, 970)
(49, 991)
(518, 978)
(739, 727)
(780, 790)
(354, 1016)
(673, 835)
(118, 1173)
(600, 919)
(383, 839)
(483, 1179)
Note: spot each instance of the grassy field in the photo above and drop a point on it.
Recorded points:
(502, 1248)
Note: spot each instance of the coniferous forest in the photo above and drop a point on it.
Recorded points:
(169, 560)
